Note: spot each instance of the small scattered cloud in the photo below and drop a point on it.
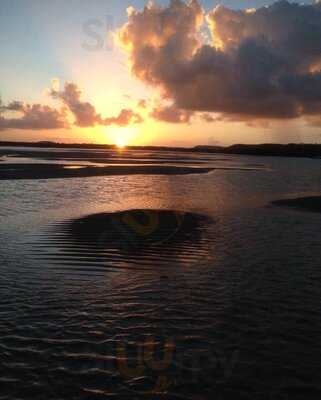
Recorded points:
(14, 106)
(142, 104)
(33, 117)
(85, 113)
(171, 114)
(37, 116)
(55, 84)
(125, 117)
(207, 117)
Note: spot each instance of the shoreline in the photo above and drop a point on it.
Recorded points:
(300, 150)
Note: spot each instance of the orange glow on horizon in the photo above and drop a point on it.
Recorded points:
(120, 143)
(122, 136)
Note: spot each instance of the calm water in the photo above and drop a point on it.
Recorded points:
(231, 310)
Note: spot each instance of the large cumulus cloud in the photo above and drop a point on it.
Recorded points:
(263, 63)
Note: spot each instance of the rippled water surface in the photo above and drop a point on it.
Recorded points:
(205, 291)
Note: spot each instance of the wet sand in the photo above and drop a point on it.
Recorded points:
(137, 228)
(311, 204)
(135, 239)
(55, 171)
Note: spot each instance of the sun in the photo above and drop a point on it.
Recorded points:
(122, 136)
(120, 142)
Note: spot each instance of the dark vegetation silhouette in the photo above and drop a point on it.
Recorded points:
(267, 149)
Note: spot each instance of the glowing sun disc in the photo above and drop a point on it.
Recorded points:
(120, 142)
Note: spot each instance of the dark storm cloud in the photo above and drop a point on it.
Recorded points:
(263, 63)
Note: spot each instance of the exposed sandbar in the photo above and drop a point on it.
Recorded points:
(311, 204)
(56, 171)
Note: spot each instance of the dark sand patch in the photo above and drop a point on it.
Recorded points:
(55, 171)
(108, 156)
(134, 239)
(138, 228)
(311, 204)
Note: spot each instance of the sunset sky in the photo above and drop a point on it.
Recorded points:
(173, 73)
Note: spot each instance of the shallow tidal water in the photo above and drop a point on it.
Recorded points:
(226, 306)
